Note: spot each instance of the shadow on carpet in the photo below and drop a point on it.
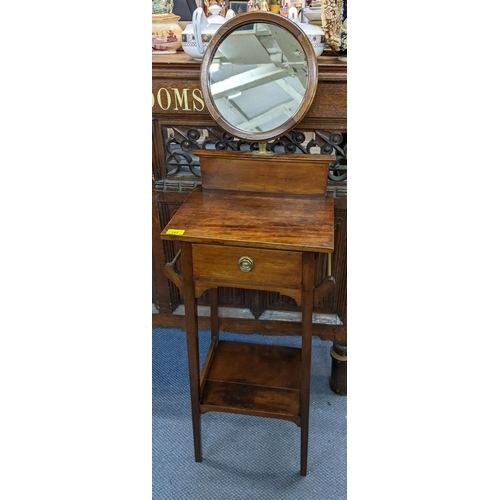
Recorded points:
(244, 457)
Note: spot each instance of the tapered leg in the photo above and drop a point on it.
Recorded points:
(191, 313)
(214, 313)
(305, 376)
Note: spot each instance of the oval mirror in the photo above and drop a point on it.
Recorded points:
(259, 75)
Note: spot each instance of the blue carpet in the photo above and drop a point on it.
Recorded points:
(244, 457)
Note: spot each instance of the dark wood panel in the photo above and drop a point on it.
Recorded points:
(161, 285)
(339, 265)
(250, 172)
(167, 293)
(330, 98)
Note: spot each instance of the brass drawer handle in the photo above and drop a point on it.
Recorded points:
(245, 264)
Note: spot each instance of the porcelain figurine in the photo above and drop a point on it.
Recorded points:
(222, 6)
(284, 10)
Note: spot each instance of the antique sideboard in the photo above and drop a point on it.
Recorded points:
(182, 124)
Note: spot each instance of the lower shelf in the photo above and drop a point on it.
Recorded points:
(253, 379)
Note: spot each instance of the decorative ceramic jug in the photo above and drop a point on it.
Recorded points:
(196, 36)
(166, 33)
(314, 33)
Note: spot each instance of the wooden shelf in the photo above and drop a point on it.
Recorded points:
(253, 379)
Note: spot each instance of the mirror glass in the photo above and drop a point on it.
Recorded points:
(258, 76)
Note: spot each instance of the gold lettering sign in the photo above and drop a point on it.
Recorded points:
(175, 99)
(161, 100)
(197, 96)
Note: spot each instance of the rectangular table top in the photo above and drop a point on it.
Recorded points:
(262, 220)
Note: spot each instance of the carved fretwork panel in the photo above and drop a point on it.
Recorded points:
(321, 270)
(339, 265)
(257, 302)
(233, 297)
(170, 249)
(281, 302)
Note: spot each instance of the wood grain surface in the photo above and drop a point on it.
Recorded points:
(254, 379)
(251, 400)
(280, 222)
(256, 364)
(270, 266)
(236, 170)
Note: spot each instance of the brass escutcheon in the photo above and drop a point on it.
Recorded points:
(245, 264)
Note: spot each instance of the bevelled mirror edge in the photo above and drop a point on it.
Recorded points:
(221, 35)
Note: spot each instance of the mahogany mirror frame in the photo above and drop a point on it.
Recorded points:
(312, 73)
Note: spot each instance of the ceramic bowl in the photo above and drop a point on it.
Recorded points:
(318, 42)
(166, 33)
(315, 33)
(161, 43)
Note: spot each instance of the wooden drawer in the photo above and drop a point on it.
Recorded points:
(221, 263)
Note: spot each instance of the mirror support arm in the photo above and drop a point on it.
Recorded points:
(262, 149)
